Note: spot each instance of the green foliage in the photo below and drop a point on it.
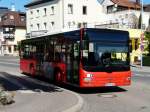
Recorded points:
(18, 45)
(147, 37)
(146, 61)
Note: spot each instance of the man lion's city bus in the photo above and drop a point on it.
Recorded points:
(87, 57)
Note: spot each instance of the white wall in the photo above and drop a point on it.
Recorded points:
(40, 19)
(20, 34)
(94, 12)
(62, 18)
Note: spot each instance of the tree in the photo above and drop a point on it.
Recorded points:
(147, 37)
(148, 28)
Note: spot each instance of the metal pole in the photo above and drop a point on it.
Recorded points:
(141, 33)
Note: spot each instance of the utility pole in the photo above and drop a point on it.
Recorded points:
(142, 35)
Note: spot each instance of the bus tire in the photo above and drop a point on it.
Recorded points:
(57, 76)
(32, 70)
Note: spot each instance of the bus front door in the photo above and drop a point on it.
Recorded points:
(72, 61)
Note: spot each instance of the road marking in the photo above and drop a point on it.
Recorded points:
(26, 91)
(107, 95)
(9, 63)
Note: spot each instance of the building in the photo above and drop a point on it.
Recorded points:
(125, 15)
(2, 11)
(12, 30)
(49, 16)
(147, 8)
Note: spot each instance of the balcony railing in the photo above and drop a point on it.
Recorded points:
(120, 26)
(9, 36)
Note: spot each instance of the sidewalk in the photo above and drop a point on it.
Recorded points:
(39, 96)
(144, 69)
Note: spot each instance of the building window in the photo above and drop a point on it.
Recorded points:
(31, 26)
(5, 18)
(38, 26)
(31, 12)
(37, 12)
(52, 10)
(45, 11)
(45, 26)
(9, 49)
(70, 9)
(69, 24)
(84, 10)
(23, 18)
(11, 17)
(79, 25)
(52, 24)
(15, 47)
(85, 25)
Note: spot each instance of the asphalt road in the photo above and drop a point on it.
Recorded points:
(32, 95)
(134, 98)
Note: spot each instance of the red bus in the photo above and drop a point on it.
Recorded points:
(86, 57)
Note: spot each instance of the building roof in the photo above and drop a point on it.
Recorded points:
(3, 10)
(147, 8)
(15, 21)
(127, 3)
(37, 2)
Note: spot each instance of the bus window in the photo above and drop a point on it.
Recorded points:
(57, 53)
(85, 50)
(76, 50)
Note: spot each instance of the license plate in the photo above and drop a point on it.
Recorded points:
(110, 84)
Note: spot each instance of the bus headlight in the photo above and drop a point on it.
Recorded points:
(128, 78)
(89, 75)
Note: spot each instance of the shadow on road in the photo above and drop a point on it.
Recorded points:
(13, 83)
(102, 90)
(24, 84)
(95, 90)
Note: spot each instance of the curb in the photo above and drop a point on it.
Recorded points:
(75, 108)
(78, 106)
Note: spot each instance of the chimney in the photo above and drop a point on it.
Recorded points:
(13, 7)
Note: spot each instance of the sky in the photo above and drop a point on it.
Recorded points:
(19, 4)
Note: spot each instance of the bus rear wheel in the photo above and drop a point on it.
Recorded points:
(32, 70)
(58, 77)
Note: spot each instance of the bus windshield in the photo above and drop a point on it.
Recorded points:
(105, 57)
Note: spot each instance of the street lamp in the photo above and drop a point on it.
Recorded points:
(142, 36)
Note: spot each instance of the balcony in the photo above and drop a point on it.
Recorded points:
(120, 26)
(9, 36)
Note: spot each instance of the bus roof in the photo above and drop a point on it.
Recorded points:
(94, 34)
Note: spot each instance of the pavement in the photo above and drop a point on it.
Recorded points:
(143, 69)
(33, 95)
(37, 96)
